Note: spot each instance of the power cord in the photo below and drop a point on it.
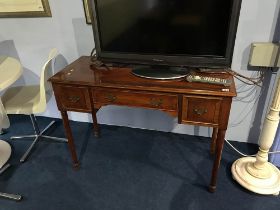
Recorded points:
(252, 81)
(95, 62)
(245, 155)
(248, 80)
(236, 150)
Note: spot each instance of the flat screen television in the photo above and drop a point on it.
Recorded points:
(171, 33)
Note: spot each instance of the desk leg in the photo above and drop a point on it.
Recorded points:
(213, 141)
(95, 124)
(218, 155)
(70, 139)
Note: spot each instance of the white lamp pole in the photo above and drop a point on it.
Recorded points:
(256, 173)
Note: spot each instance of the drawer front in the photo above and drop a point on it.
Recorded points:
(103, 96)
(73, 98)
(201, 110)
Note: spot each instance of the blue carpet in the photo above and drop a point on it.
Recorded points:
(125, 169)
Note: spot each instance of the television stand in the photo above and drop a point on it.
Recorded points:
(160, 72)
(79, 88)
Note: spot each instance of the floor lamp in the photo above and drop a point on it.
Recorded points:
(256, 173)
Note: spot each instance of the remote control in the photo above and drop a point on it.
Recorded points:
(212, 80)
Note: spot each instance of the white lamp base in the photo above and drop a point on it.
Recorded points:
(267, 186)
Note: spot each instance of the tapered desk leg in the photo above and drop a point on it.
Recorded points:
(218, 155)
(213, 141)
(95, 124)
(69, 136)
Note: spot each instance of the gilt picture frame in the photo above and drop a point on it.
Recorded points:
(24, 8)
(87, 11)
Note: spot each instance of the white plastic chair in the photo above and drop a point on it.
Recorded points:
(30, 100)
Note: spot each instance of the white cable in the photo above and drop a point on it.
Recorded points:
(244, 155)
(241, 99)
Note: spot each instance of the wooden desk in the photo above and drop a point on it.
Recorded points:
(82, 89)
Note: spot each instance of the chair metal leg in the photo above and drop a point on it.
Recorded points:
(24, 136)
(8, 195)
(35, 127)
(11, 196)
(46, 128)
(38, 136)
(35, 124)
(26, 154)
(64, 140)
(4, 168)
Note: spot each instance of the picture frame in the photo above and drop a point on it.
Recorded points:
(24, 8)
(87, 11)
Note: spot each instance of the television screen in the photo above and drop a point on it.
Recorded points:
(171, 32)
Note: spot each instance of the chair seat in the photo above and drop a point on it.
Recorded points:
(22, 100)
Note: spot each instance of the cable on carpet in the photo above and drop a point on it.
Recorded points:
(246, 155)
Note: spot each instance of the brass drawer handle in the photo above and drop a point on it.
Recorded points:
(110, 97)
(74, 99)
(200, 111)
(156, 102)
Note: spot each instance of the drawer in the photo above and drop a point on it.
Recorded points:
(201, 110)
(103, 96)
(73, 98)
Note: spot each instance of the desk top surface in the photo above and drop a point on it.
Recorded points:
(10, 71)
(80, 73)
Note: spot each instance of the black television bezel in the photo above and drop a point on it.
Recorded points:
(174, 60)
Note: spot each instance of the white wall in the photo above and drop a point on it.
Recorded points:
(30, 39)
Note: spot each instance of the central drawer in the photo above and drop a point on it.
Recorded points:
(103, 96)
